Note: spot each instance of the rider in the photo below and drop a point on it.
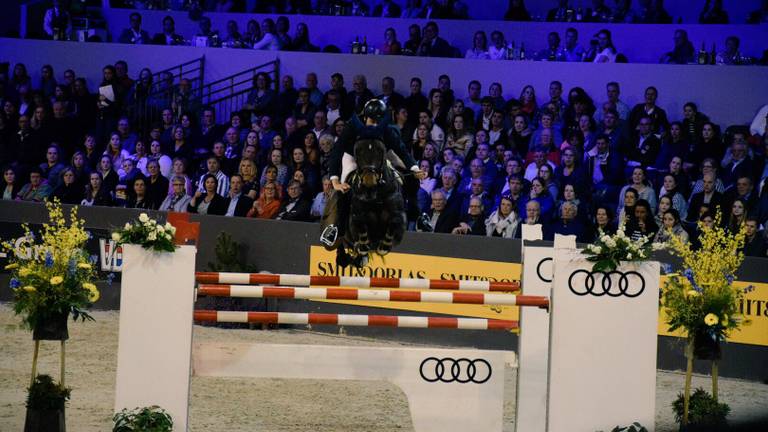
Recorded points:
(373, 125)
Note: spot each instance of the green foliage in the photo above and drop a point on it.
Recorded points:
(703, 409)
(230, 256)
(147, 419)
(46, 395)
(609, 251)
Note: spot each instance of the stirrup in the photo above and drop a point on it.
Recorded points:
(329, 235)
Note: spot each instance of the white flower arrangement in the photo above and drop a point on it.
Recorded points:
(147, 233)
(608, 251)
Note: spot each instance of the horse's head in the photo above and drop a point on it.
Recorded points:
(370, 157)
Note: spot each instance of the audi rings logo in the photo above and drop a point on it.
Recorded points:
(448, 370)
(613, 283)
(539, 272)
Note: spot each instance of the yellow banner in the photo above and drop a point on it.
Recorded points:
(401, 265)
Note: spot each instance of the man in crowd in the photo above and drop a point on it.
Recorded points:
(134, 34)
(237, 203)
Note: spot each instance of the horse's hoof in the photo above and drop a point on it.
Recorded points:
(361, 261)
(363, 248)
(384, 248)
(342, 258)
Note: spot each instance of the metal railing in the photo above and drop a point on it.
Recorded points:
(230, 94)
(146, 108)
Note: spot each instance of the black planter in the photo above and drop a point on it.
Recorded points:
(52, 327)
(705, 347)
(45, 421)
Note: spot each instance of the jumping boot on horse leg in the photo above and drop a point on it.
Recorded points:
(363, 244)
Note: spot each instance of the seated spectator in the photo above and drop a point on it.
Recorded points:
(164, 162)
(137, 198)
(296, 207)
(671, 227)
(95, 192)
(659, 122)
(602, 224)
(479, 48)
(318, 204)
(604, 51)
(473, 221)
(683, 51)
(68, 190)
(743, 189)
(503, 221)
(432, 45)
(168, 36)
(736, 216)
(411, 47)
(539, 159)
(755, 244)
(391, 45)
(206, 200)
(665, 203)
(269, 40)
(552, 52)
(262, 100)
(10, 186)
(249, 172)
(713, 13)
(387, 9)
(643, 223)
(567, 224)
(532, 217)
(222, 182)
(737, 163)
(442, 218)
(498, 48)
(51, 169)
(57, 22)
(233, 38)
(517, 11)
(178, 200)
(638, 181)
(573, 51)
(547, 176)
(134, 34)
(708, 196)
(282, 26)
(669, 188)
(540, 194)
(268, 203)
(109, 176)
(237, 203)
(156, 185)
(707, 219)
(115, 150)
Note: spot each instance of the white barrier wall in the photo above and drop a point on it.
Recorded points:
(602, 362)
(153, 354)
(448, 390)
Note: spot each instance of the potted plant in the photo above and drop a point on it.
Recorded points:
(147, 233)
(147, 419)
(51, 279)
(45, 405)
(702, 302)
(705, 413)
(608, 251)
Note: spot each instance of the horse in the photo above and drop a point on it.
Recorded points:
(377, 217)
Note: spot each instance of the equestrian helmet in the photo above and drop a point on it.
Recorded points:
(375, 109)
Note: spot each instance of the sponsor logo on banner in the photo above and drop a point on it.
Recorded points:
(111, 256)
(613, 283)
(448, 370)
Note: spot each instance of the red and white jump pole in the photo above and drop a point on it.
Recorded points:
(357, 282)
(354, 320)
(372, 295)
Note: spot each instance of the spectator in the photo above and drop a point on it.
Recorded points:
(156, 185)
(359, 95)
(388, 94)
(413, 43)
(37, 189)
(391, 45)
(754, 242)
(671, 227)
(532, 217)
(547, 176)
(52, 169)
(318, 204)
(573, 52)
(68, 190)
(503, 221)
(268, 203)
(561, 13)
(498, 49)
(552, 52)
(473, 221)
(237, 203)
(737, 163)
(296, 207)
(269, 40)
(137, 198)
(282, 26)
(737, 216)
(95, 192)
(233, 38)
(670, 189)
(134, 34)
(645, 147)
(57, 22)
(387, 9)
(683, 51)
(459, 138)
(10, 186)
(603, 223)
(731, 55)
(432, 45)
(479, 48)
(168, 36)
(643, 224)
(713, 13)
(178, 200)
(517, 11)
(567, 224)
(442, 219)
(206, 199)
(252, 33)
(659, 122)
(603, 51)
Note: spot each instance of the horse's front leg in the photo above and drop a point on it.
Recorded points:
(358, 228)
(394, 209)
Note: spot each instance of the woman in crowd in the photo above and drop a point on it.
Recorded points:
(138, 198)
(283, 170)
(626, 209)
(547, 176)
(437, 108)
(91, 152)
(252, 33)
(520, 135)
(109, 176)
(156, 185)
(528, 103)
(268, 203)
(299, 162)
(165, 162)
(95, 193)
(262, 99)
(177, 200)
(446, 159)
(391, 45)
(420, 142)
(81, 169)
(736, 216)
(179, 169)
(669, 188)
(675, 169)
(10, 185)
(298, 176)
(671, 227)
(603, 223)
(571, 196)
(141, 157)
(208, 202)
(503, 221)
(540, 193)
(604, 52)
(312, 149)
(643, 224)
(458, 138)
(709, 146)
(180, 147)
(115, 150)
(270, 175)
(587, 130)
(479, 48)
(639, 182)
(269, 40)
(142, 89)
(68, 191)
(248, 171)
(665, 204)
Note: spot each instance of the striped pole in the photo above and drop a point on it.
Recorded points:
(372, 295)
(357, 282)
(354, 320)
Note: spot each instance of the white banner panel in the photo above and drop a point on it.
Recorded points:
(155, 345)
(602, 346)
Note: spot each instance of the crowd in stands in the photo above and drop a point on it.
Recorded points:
(426, 41)
(574, 162)
(618, 11)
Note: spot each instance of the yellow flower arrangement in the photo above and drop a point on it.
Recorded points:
(711, 319)
(30, 289)
(56, 280)
(12, 266)
(84, 266)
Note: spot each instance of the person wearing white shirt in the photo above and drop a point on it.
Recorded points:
(214, 170)
(498, 50)
(269, 41)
